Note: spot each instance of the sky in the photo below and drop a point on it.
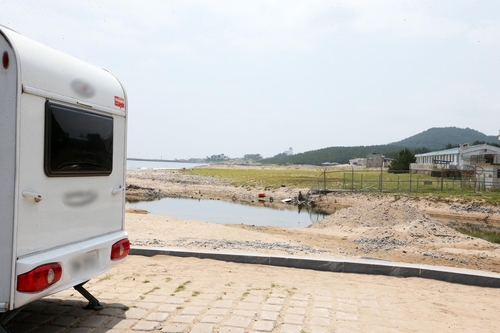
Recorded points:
(258, 77)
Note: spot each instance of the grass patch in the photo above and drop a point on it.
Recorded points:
(182, 287)
(149, 292)
(125, 308)
(146, 281)
(196, 293)
(168, 279)
(260, 178)
(104, 278)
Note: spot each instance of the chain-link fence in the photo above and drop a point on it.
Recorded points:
(402, 181)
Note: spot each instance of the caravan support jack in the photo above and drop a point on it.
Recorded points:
(93, 302)
(5, 317)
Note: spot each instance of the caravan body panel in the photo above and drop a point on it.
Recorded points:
(62, 175)
(9, 90)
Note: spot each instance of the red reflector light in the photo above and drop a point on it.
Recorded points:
(120, 249)
(5, 60)
(39, 278)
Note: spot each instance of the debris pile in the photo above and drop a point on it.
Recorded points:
(388, 227)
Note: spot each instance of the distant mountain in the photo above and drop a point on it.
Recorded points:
(429, 140)
(438, 137)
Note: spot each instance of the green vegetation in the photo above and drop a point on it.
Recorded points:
(182, 287)
(486, 232)
(432, 139)
(107, 277)
(253, 157)
(437, 138)
(261, 178)
(150, 291)
(401, 164)
(340, 155)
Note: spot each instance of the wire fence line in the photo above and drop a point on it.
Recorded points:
(401, 182)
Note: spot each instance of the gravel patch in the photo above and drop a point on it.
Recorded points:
(222, 244)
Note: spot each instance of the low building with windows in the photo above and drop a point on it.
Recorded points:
(376, 161)
(481, 161)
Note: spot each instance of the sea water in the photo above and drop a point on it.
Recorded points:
(138, 165)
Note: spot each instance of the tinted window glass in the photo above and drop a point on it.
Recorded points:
(77, 142)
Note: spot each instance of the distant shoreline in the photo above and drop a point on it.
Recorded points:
(160, 160)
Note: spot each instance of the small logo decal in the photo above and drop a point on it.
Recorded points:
(119, 102)
(82, 88)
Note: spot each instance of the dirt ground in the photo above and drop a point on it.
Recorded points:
(392, 227)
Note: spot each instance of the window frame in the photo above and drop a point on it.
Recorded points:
(48, 144)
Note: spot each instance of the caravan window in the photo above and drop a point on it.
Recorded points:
(77, 142)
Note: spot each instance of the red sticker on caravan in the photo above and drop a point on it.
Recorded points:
(119, 102)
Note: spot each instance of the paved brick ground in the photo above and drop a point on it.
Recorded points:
(171, 294)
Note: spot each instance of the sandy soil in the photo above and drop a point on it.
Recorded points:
(393, 227)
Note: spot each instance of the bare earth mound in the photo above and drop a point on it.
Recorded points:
(388, 227)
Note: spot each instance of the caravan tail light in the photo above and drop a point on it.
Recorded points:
(120, 249)
(39, 278)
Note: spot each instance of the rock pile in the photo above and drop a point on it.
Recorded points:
(389, 226)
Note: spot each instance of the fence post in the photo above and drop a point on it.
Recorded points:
(410, 180)
(343, 185)
(352, 178)
(381, 167)
(398, 183)
(417, 183)
(324, 179)
(361, 181)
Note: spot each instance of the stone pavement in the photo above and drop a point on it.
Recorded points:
(172, 294)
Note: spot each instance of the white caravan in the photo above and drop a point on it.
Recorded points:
(62, 172)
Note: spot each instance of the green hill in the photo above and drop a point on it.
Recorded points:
(429, 140)
(438, 137)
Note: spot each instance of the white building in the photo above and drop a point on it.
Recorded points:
(478, 161)
(358, 161)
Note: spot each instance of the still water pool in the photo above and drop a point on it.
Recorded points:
(271, 214)
(223, 212)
